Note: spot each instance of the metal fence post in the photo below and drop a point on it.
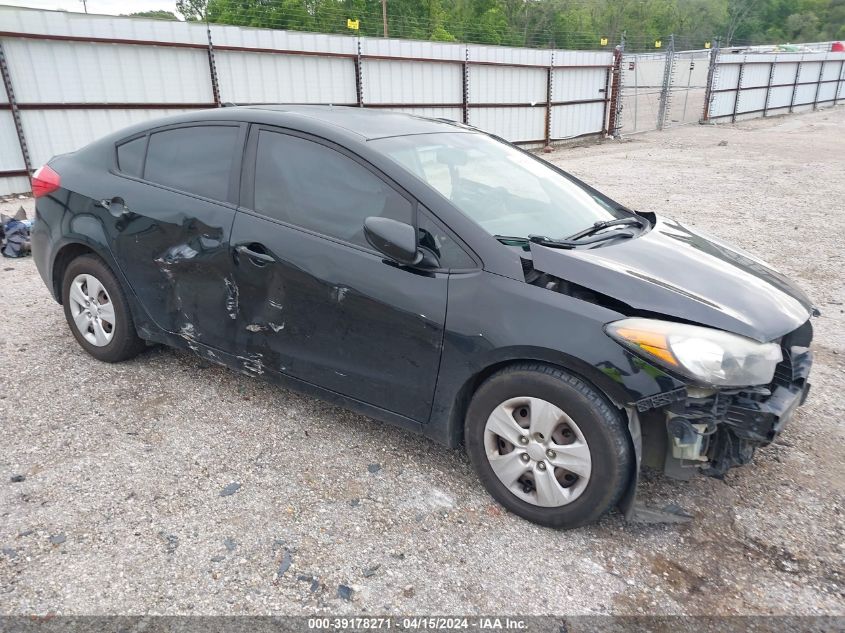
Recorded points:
(608, 78)
(738, 89)
(549, 79)
(711, 78)
(13, 104)
(769, 86)
(667, 80)
(839, 82)
(359, 89)
(795, 84)
(615, 104)
(212, 67)
(465, 86)
(819, 84)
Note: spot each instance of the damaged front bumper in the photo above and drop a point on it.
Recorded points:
(716, 430)
(709, 431)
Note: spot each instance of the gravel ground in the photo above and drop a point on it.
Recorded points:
(130, 502)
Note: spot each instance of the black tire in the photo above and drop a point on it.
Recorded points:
(125, 342)
(602, 425)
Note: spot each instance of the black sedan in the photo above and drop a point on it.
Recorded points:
(433, 276)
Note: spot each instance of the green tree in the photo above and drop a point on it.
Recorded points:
(192, 10)
(551, 23)
(157, 15)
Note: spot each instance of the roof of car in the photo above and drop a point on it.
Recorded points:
(370, 123)
(362, 123)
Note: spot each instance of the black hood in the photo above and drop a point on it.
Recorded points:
(674, 271)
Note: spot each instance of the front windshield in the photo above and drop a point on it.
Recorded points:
(501, 188)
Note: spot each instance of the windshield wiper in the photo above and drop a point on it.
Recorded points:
(600, 226)
(542, 240)
(578, 239)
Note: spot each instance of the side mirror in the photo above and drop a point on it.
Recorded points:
(395, 239)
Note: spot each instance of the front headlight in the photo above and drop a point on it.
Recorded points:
(708, 356)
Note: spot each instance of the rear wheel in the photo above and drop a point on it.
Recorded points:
(547, 445)
(97, 311)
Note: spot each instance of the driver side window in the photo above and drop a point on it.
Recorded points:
(315, 187)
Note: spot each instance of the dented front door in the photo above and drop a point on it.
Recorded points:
(337, 316)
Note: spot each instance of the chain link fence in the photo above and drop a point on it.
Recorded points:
(660, 90)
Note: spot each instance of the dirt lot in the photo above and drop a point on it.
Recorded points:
(121, 508)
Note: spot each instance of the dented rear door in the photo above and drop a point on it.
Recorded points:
(169, 224)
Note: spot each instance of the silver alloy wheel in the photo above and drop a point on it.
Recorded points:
(537, 451)
(92, 310)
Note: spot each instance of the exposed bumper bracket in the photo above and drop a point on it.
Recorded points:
(671, 513)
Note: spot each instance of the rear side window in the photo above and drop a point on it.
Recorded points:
(317, 188)
(130, 156)
(195, 159)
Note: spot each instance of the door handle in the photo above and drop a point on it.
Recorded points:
(244, 249)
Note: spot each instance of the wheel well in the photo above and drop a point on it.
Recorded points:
(63, 258)
(473, 382)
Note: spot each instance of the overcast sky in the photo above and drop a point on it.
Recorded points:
(113, 7)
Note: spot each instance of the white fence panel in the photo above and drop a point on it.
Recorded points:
(577, 119)
(11, 159)
(47, 71)
(774, 83)
(806, 94)
(417, 49)
(270, 40)
(784, 72)
(508, 55)
(809, 72)
(831, 70)
(281, 78)
(82, 25)
(827, 93)
(507, 84)
(453, 114)
(726, 76)
(755, 75)
(525, 124)
(411, 82)
(577, 84)
(780, 97)
(751, 100)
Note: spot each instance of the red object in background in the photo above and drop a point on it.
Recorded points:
(45, 181)
(837, 47)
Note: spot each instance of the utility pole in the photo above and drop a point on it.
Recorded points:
(384, 15)
(85, 5)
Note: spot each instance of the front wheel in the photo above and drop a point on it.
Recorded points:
(547, 445)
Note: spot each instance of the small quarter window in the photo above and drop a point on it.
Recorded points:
(436, 240)
(130, 156)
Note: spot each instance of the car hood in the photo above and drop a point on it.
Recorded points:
(675, 271)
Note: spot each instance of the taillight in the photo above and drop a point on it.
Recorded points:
(45, 181)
